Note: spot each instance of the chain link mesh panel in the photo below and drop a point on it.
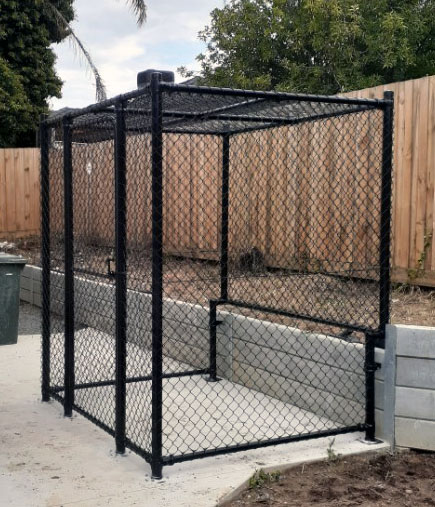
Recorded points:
(55, 248)
(139, 301)
(304, 218)
(93, 254)
(254, 284)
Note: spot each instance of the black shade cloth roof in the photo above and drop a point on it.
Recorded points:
(201, 110)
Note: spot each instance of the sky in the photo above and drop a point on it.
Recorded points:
(167, 40)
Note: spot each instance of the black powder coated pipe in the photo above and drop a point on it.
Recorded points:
(225, 190)
(45, 260)
(212, 346)
(385, 225)
(271, 95)
(131, 380)
(370, 369)
(120, 277)
(171, 460)
(294, 315)
(69, 267)
(157, 276)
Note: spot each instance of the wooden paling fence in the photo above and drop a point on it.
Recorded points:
(19, 192)
(273, 193)
(414, 175)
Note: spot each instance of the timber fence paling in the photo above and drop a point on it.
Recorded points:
(413, 256)
(19, 192)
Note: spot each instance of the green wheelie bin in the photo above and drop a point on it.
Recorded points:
(10, 272)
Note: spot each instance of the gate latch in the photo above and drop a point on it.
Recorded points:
(110, 271)
(373, 368)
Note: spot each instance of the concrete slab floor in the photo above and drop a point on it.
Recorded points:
(197, 414)
(47, 460)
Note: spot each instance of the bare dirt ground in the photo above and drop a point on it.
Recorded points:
(197, 282)
(413, 305)
(403, 479)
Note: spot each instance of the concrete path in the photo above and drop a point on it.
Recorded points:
(47, 460)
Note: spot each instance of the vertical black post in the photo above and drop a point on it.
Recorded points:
(372, 339)
(213, 325)
(157, 275)
(223, 256)
(385, 226)
(370, 369)
(120, 277)
(224, 215)
(45, 258)
(69, 266)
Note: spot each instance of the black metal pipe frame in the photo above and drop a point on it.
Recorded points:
(265, 122)
(307, 119)
(370, 369)
(272, 95)
(155, 457)
(69, 266)
(45, 261)
(171, 460)
(385, 225)
(223, 261)
(86, 414)
(225, 190)
(140, 131)
(157, 276)
(213, 341)
(227, 107)
(120, 277)
(93, 273)
(138, 450)
(171, 87)
(98, 107)
(293, 315)
(130, 380)
(257, 118)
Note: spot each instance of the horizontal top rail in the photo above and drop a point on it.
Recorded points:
(99, 107)
(273, 95)
(104, 106)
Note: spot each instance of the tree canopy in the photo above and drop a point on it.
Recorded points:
(15, 108)
(27, 74)
(318, 46)
(26, 32)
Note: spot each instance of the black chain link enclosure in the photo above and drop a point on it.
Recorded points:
(215, 266)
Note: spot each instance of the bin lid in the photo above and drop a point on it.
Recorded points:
(6, 258)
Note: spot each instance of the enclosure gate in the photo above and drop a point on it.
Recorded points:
(215, 266)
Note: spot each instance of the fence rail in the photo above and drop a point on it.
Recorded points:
(19, 192)
(413, 207)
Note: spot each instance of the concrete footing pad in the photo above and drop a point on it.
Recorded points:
(47, 460)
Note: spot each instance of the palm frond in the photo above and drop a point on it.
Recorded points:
(139, 9)
(100, 88)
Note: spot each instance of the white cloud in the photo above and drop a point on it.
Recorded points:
(120, 50)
